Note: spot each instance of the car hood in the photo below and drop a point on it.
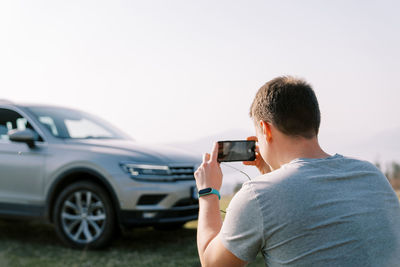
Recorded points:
(157, 154)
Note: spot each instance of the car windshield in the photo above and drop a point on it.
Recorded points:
(74, 124)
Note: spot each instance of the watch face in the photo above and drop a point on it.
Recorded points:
(205, 191)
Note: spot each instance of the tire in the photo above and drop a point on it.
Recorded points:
(84, 216)
(169, 226)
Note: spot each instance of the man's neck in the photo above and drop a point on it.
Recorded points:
(299, 148)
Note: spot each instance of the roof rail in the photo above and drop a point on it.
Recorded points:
(5, 101)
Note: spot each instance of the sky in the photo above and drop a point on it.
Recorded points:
(176, 71)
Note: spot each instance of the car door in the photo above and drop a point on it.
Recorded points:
(21, 167)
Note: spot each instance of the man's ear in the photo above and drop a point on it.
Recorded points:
(266, 130)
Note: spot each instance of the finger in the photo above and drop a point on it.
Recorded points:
(252, 138)
(250, 163)
(206, 157)
(214, 153)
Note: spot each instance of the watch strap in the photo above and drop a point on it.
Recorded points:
(209, 191)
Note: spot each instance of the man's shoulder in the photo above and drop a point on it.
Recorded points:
(356, 165)
(301, 173)
(245, 202)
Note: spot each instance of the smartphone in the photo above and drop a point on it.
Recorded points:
(236, 151)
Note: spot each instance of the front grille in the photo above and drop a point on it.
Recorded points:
(176, 213)
(150, 199)
(182, 173)
(186, 202)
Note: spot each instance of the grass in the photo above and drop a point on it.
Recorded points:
(36, 244)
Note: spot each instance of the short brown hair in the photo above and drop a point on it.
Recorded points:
(290, 105)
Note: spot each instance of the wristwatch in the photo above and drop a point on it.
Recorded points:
(208, 191)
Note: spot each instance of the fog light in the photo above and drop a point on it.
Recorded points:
(149, 215)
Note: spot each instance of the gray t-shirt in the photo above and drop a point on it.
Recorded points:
(335, 211)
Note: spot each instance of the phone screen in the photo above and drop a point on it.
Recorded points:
(236, 151)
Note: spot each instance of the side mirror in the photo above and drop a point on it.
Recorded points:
(24, 136)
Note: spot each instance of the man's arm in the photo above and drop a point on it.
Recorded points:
(211, 250)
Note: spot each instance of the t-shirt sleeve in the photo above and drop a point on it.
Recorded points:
(242, 230)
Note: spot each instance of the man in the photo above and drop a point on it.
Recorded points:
(307, 208)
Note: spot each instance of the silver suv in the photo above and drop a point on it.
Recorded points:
(88, 178)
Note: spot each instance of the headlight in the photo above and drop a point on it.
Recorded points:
(144, 170)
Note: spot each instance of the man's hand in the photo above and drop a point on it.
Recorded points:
(259, 162)
(211, 250)
(209, 173)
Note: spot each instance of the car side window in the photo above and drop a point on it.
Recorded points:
(11, 120)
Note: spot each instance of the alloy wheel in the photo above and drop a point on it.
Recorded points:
(83, 216)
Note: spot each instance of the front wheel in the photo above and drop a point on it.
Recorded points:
(83, 216)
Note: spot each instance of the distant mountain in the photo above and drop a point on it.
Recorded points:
(203, 145)
(384, 147)
(231, 177)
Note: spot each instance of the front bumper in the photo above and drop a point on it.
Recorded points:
(150, 203)
(152, 217)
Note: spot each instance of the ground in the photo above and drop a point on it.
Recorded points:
(36, 244)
